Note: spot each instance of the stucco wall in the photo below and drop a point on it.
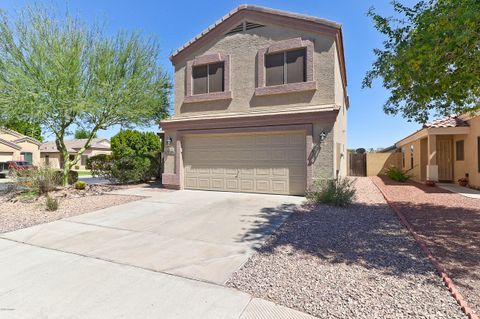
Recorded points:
(377, 163)
(415, 171)
(470, 163)
(243, 48)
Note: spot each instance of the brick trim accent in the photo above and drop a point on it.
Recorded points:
(280, 46)
(202, 60)
(440, 270)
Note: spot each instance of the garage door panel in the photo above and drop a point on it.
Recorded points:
(259, 162)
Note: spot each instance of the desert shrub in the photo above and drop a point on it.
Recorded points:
(80, 185)
(337, 192)
(51, 203)
(100, 166)
(37, 181)
(72, 176)
(134, 169)
(397, 174)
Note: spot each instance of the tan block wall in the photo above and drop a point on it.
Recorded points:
(378, 162)
(243, 48)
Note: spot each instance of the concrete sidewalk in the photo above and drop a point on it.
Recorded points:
(44, 283)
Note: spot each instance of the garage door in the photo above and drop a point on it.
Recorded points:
(258, 163)
(6, 156)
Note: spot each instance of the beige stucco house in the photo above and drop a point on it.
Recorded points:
(18, 147)
(52, 157)
(260, 105)
(444, 150)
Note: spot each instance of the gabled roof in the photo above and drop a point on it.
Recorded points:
(10, 144)
(74, 145)
(244, 11)
(11, 132)
(451, 121)
(266, 15)
(27, 139)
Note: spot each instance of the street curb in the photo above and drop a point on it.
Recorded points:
(440, 270)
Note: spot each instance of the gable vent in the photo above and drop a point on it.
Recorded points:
(244, 26)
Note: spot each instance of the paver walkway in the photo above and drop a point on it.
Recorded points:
(450, 225)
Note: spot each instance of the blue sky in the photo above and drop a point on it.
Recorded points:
(176, 22)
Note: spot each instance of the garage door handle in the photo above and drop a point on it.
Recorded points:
(238, 172)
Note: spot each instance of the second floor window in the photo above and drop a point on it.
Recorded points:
(208, 78)
(285, 67)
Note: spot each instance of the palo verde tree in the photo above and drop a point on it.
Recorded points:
(430, 60)
(62, 73)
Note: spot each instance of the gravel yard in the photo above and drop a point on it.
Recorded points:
(356, 262)
(15, 214)
(449, 224)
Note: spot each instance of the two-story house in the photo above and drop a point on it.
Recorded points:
(260, 105)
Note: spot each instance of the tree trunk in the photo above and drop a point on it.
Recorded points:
(66, 171)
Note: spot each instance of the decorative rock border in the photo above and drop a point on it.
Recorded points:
(440, 270)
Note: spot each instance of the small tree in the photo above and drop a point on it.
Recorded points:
(430, 59)
(82, 134)
(134, 143)
(60, 73)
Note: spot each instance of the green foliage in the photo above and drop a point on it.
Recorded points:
(140, 168)
(83, 134)
(336, 192)
(72, 177)
(397, 174)
(23, 127)
(61, 73)
(51, 203)
(80, 185)
(430, 59)
(134, 143)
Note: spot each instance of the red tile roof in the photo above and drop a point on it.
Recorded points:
(452, 121)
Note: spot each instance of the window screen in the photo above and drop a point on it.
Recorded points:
(274, 69)
(208, 78)
(285, 67)
(459, 149)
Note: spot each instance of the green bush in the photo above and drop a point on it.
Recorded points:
(51, 203)
(80, 185)
(72, 176)
(130, 143)
(397, 174)
(337, 192)
(134, 169)
(100, 165)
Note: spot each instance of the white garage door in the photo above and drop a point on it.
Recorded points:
(6, 156)
(258, 163)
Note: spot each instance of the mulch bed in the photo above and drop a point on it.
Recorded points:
(355, 262)
(449, 224)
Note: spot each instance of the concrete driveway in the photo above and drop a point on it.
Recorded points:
(167, 254)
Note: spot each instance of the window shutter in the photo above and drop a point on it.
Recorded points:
(274, 69)
(215, 77)
(199, 75)
(295, 66)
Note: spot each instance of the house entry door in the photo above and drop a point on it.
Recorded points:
(444, 158)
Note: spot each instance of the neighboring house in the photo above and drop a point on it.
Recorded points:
(18, 147)
(52, 157)
(444, 150)
(260, 105)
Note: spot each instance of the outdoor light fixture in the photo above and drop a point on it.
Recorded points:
(169, 140)
(322, 136)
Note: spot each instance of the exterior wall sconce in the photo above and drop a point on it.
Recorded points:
(169, 140)
(322, 136)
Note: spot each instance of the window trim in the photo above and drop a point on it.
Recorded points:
(283, 46)
(204, 60)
